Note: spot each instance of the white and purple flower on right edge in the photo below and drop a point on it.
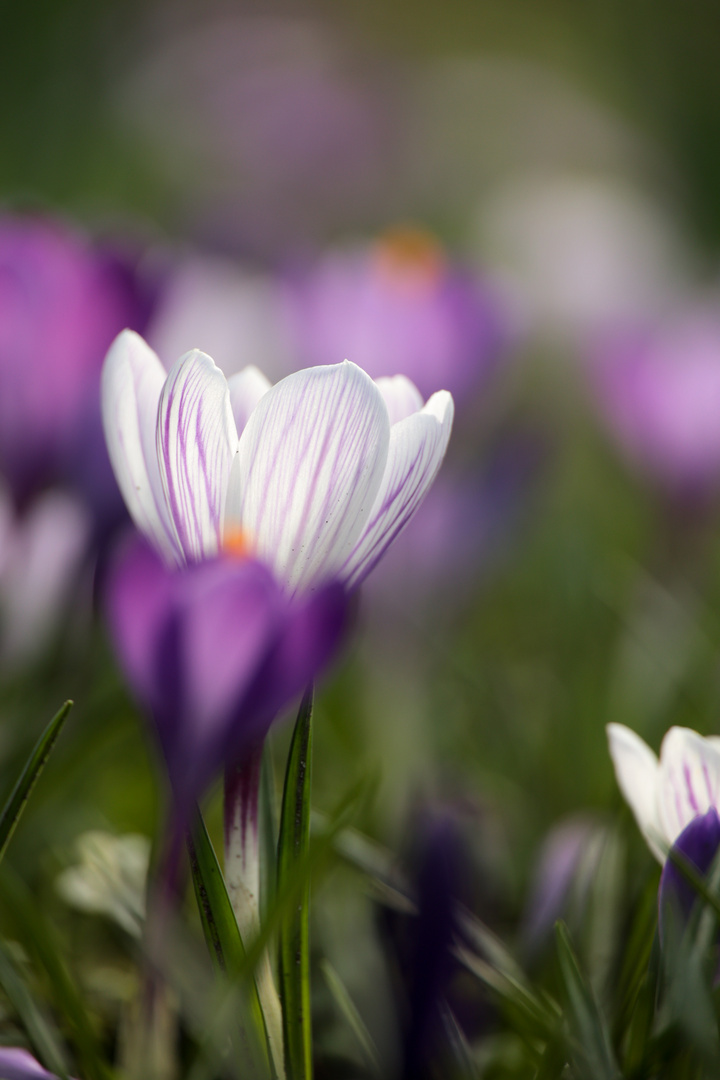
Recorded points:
(675, 800)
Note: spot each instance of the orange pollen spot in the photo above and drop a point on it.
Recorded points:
(410, 258)
(237, 542)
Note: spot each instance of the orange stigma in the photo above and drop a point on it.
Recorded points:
(237, 542)
(410, 258)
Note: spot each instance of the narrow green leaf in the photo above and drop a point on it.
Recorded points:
(44, 1039)
(347, 1007)
(33, 767)
(591, 1047)
(294, 943)
(223, 936)
(40, 942)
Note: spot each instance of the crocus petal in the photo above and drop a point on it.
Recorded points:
(401, 396)
(417, 448)
(132, 381)
(310, 463)
(698, 843)
(246, 389)
(689, 779)
(196, 442)
(19, 1064)
(637, 773)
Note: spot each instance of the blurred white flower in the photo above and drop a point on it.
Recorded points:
(40, 557)
(581, 252)
(109, 878)
(234, 314)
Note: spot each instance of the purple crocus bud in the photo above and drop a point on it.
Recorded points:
(214, 652)
(315, 476)
(19, 1064)
(658, 390)
(397, 305)
(698, 843)
(61, 304)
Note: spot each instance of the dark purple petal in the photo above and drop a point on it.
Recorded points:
(214, 652)
(698, 843)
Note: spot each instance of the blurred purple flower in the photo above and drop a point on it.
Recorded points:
(61, 305)
(294, 136)
(328, 468)
(659, 392)
(214, 653)
(397, 305)
(19, 1064)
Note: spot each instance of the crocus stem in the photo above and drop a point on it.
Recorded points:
(242, 878)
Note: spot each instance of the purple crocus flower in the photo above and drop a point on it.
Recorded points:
(19, 1064)
(315, 476)
(61, 305)
(397, 305)
(214, 653)
(659, 391)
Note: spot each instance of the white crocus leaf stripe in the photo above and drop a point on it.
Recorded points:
(132, 381)
(401, 396)
(246, 388)
(417, 448)
(196, 443)
(310, 463)
(689, 779)
(638, 773)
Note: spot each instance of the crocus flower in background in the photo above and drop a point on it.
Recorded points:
(42, 552)
(19, 1064)
(658, 390)
(61, 305)
(328, 467)
(398, 305)
(675, 800)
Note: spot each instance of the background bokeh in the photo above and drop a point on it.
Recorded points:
(545, 169)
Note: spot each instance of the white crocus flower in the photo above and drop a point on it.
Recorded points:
(665, 795)
(315, 475)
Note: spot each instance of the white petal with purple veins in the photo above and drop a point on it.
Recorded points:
(196, 443)
(417, 448)
(689, 779)
(637, 772)
(401, 396)
(246, 389)
(132, 381)
(310, 463)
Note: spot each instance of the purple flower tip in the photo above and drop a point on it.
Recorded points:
(698, 843)
(214, 652)
(19, 1064)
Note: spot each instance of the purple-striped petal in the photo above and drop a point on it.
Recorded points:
(417, 448)
(196, 443)
(132, 381)
(310, 463)
(698, 843)
(638, 775)
(246, 389)
(689, 779)
(401, 396)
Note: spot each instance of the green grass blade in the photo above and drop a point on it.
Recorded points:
(44, 1039)
(349, 1011)
(294, 944)
(28, 778)
(40, 942)
(223, 938)
(594, 1058)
